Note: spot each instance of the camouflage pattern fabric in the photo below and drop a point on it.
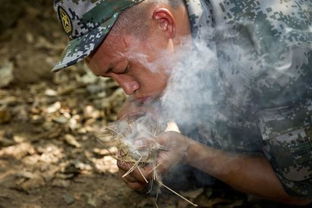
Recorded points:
(200, 16)
(86, 22)
(287, 134)
(264, 51)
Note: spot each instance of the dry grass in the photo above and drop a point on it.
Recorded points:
(127, 133)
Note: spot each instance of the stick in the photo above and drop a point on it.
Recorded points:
(111, 129)
(155, 202)
(133, 167)
(154, 168)
(195, 205)
(146, 181)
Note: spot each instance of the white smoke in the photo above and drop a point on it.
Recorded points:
(192, 89)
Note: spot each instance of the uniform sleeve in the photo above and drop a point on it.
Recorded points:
(287, 136)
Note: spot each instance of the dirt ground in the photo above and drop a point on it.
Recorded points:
(49, 124)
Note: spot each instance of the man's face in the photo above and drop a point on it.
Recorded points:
(139, 66)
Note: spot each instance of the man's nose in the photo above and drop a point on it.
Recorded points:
(128, 84)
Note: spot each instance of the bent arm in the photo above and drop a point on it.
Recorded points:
(249, 174)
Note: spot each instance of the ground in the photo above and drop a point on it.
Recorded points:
(53, 148)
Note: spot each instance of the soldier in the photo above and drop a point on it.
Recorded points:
(258, 138)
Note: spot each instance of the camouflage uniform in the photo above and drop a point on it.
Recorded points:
(267, 87)
(264, 50)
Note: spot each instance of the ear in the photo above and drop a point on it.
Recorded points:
(165, 21)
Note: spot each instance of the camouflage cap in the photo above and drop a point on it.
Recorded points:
(86, 22)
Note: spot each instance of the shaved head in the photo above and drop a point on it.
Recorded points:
(134, 19)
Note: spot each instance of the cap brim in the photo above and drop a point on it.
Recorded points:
(79, 48)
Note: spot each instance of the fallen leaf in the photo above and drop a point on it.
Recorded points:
(5, 115)
(6, 74)
(69, 199)
(71, 140)
(60, 183)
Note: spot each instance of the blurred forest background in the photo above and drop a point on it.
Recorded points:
(49, 152)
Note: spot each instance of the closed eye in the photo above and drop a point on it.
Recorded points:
(127, 69)
(124, 71)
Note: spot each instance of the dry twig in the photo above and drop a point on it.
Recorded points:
(147, 156)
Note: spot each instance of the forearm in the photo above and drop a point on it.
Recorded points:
(248, 174)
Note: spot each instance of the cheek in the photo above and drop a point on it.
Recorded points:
(150, 80)
(157, 82)
(163, 79)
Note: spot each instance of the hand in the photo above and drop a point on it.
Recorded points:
(172, 150)
(175, 147)
(135, 179)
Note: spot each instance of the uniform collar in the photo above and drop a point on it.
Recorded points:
(201, 18)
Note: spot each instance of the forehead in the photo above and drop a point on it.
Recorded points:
(123, 46)
(110, 52)
(114, 41)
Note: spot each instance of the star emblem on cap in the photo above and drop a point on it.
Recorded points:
(65, 20)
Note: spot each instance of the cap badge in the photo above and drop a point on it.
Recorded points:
(65, 20)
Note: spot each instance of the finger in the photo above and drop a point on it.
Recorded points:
(136, 172)
(140, 174)
(128, 178)
(137, 186)
(124, 165)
